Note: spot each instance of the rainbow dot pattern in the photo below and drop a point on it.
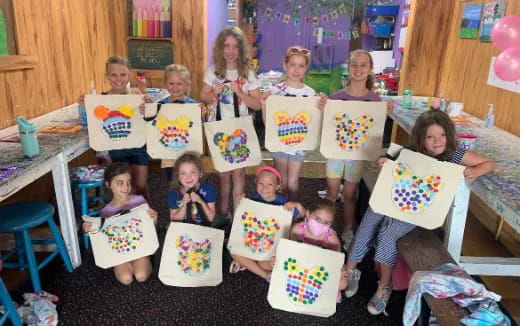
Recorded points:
(194, 257)
(173, 134)
(292, 129)
(232, 147)
(259, 236)
(117, 124)
(124, 238)
(413, 194)
(351, 134)
(304, 285)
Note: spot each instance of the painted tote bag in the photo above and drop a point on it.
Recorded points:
(192, 256)
(305, 279)
(233, 143)
(292, 123)
(353, 130)
(114, 122)
(416, 189)
(123, 238)
(174, 130)
(257, 228)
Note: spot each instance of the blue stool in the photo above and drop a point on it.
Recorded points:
(18, 218)
(85, 200)
(9, 307)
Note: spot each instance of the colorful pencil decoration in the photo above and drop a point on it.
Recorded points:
(151, 18)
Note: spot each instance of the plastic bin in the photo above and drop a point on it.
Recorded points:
(383, 29)
(382, 10)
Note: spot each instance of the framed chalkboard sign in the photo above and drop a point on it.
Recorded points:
(146, 54)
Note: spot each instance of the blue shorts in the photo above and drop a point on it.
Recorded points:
(132, 156)
(296, 156)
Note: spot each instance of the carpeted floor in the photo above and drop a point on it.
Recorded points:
(92, 296)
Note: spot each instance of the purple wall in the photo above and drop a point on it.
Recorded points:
(298, 29)
(217, 18)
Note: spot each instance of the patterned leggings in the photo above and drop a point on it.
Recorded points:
(385, 230)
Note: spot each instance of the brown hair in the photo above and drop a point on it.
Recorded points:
(117, 60)
(185, 158)
(182, 71)
(370, 80)
(322, 203)
(112, 171)
(427, 119)
(244, 57)
(297, 50)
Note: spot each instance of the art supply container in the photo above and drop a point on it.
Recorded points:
(467, 141)
(28, 138)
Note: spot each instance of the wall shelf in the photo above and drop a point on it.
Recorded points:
(17, 62)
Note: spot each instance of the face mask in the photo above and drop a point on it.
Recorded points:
(316, 227)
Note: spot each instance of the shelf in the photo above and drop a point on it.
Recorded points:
(149, 38)
(383, 36)
(17, 62)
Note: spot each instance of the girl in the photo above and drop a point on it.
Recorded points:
(317, 230)
(117, 74)
(191, 201)
(117, 180)
(358, 88)
(295, 63)
(231, 86)
(268, 181)
(433, 135)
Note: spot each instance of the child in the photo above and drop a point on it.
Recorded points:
(358, 88)
(117, 180)
(433, 135)
(191, 201)
(296, 61)
(317, 230)
(117, 73)
(268, 181)
(231, 86)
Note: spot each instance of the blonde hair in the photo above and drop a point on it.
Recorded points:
(370, 80)
(244, 56)
(182, 71)
(117, 60)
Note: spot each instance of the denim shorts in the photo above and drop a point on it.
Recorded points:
(350, 170)
(292, 156)
(132, 156)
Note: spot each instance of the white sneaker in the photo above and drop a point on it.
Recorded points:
(347, 237)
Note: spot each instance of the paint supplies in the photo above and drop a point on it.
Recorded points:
(28, 138)
(490, 117)
(82, 112)
(467, 141)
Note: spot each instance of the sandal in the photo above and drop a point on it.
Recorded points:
(235, 267)
(377, 305)
(353, 282)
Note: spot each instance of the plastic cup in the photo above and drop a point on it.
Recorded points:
(467, 141)
(455, 108)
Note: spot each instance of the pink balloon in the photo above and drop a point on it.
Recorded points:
(506, 32)
(507, 64)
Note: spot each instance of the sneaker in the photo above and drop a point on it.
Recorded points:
(347, 237)
(220, 222)
(352, 282)
(377, 305)
(339, 298)
(235, 267)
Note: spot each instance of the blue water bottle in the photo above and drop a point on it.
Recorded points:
(28, 138)
(407, 99)
(82, 112)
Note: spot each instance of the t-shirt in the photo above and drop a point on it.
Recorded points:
(227, 109)
(109, 210)
(279, 200)
(344, 96)
(166, 100)
(196, 215)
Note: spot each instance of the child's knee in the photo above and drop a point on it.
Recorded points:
(141, 276)
(125, 278)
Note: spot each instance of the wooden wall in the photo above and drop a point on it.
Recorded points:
(436, 59)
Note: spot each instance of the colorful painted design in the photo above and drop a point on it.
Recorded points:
(173, 134)
(194, 257)
(7, 170)
(292, 129)
(124, 238)
(351, 134)
(304, 285)
(232, 147)
(259, 235)
(413, 194)
(117, 124)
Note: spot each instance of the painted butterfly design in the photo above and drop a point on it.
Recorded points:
(232, 147)
(259, 235)
(304, 285)
(125, 237)
(351, 134)
(194, 257)
(173, 134)
(292, 129)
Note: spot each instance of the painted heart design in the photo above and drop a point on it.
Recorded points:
(292, 129)
(351, 134)
(124, 238)
(173, 134)
(117, 124)
(411, 193)
(304, 285)
(194, 257)
(232, 147)
(259, 235)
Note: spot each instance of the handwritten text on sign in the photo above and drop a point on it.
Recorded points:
(150, 54)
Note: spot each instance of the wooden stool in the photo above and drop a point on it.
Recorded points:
(19, 218)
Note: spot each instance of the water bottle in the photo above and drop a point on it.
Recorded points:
(82, 112)
(490, 117)
(407, 99)
(28, 138)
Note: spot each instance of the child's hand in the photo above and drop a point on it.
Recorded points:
(390, 106)
(344, 273)
(153, 214)
(196, 198)
(203, 110)
(218, 88)
(239, 197)
(322, 101)
(235, 87)
(273, 261)
(142, 109)
(186, 199)
(470, 173)
(263, 98)
(87, 226)
(381, 161)
(81, 100)
(147, 99)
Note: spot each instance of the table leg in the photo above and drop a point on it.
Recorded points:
(61, 179)
(456, 221)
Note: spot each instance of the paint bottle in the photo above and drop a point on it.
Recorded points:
(490, 117)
